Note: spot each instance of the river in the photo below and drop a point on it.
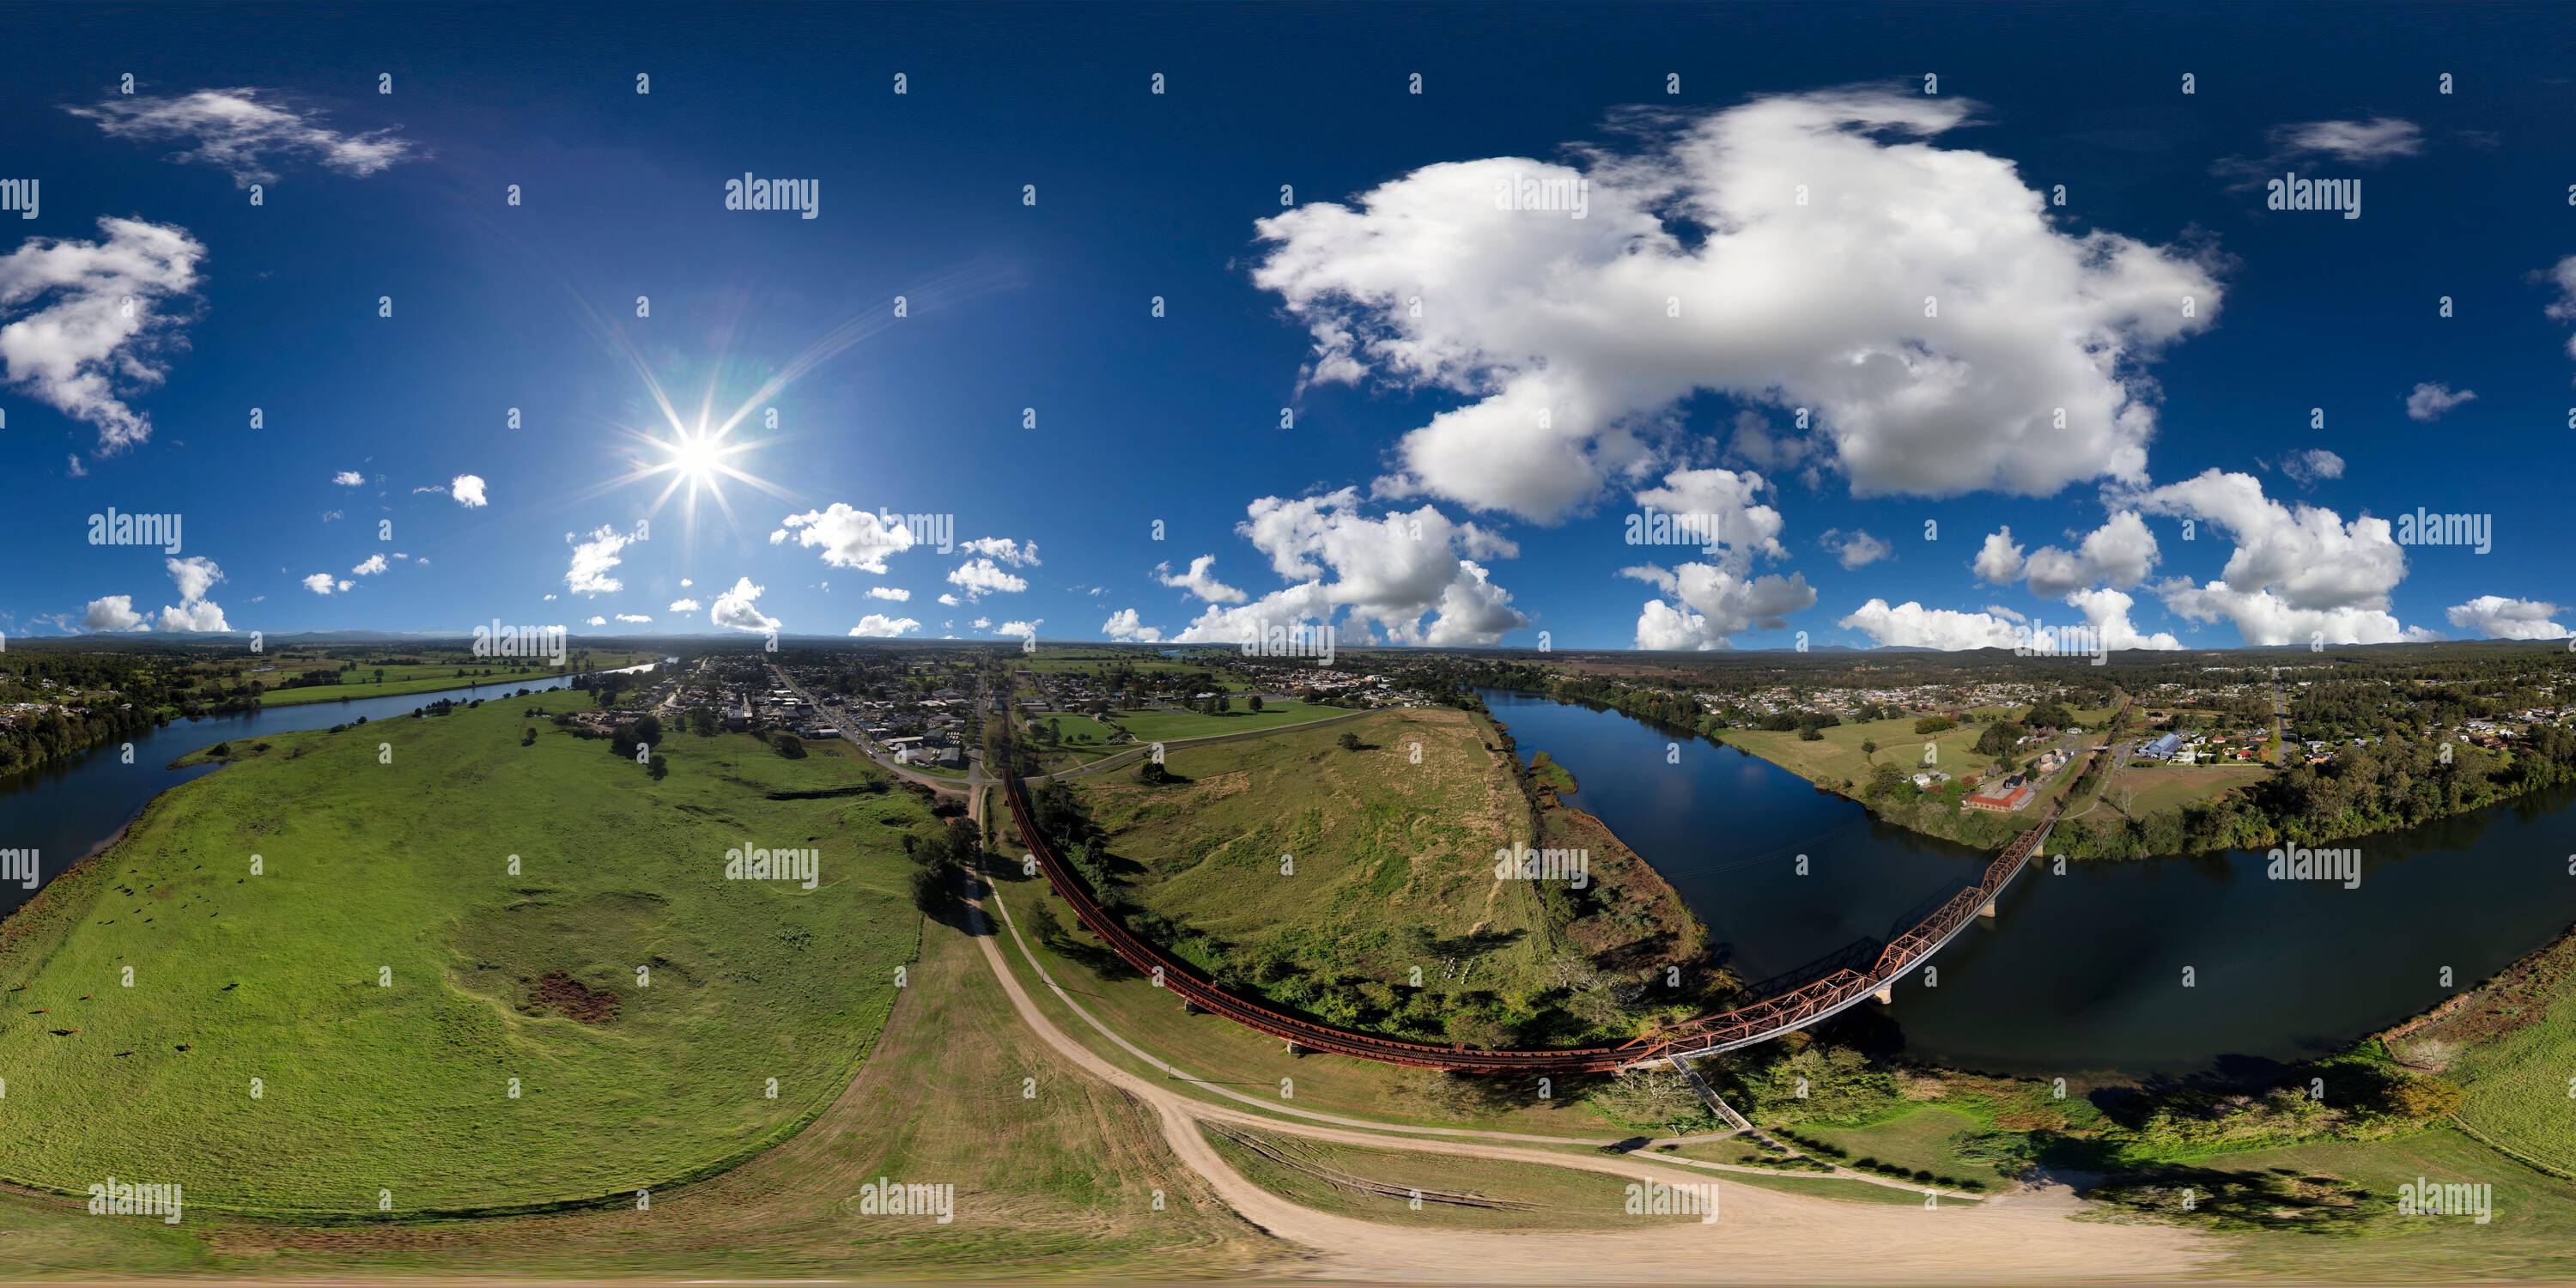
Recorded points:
(2083, 975)
(65, 809)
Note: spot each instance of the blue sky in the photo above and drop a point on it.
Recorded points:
(1465, 474)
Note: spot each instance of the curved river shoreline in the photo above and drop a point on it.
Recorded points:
(2083, 974)
(66, 810)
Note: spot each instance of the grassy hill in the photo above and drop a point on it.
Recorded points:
(386, 976)
(1379, 844)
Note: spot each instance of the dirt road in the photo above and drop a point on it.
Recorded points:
(1762, 1236)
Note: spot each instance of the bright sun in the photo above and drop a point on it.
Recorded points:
(696, 456)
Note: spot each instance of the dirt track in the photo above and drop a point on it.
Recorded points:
(1762, 1236)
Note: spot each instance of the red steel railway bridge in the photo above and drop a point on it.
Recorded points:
(1761, 1021)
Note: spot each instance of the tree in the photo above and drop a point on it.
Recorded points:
(1350, 741)
(1868, 749)
(1253, 702)
(1041, 923)
(529, 739)
(934, 886)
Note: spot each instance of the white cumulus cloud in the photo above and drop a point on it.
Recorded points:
(880, 626)
(90, 323)
(467, 489)
(2121, 552)
(894, 593)
(2498, 618)
(2298, 574)
(2429, 401)
(1123, 626)
(1786, 252)
(1912, 625)
(592, 560)
(112, 613)
(349, 478)
(848, 537)
(1200, 580)
(739, 609)
(979, 577)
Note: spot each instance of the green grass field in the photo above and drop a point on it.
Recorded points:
(1928, 1138)
(2155, 789)
(426, 677)
(1171, 726)
(1837, 755)
(386, 976)
(1378, 843)
(1329, 1176)
(1080, 739)
(1060, 1182)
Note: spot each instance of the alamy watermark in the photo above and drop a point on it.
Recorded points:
(2299, 863)
(126, 1198)
(1687, 1198)
(2425, 528)
(19, 195)
(1522, 863)
(884, 1197)
(117, 528)
(802, 196)
(2036, 640)
(2290, 192)
(20, 866)
(2426, 1197)
(1567, 194)
(747, 863)
(497, 640)
(1653, 527)
(1303, 639)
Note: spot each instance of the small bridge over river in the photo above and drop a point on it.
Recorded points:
(1836, 990)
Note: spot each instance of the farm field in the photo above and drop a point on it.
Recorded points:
(421, 1019)
(1171, 726)
(425, 677)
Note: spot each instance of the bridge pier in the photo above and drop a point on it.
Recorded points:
(1988, 910)
(1886, 995)
(1292, 1048)
(1189, 1007)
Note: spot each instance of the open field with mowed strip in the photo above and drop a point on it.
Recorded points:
(1168, 726)
(342, 1032)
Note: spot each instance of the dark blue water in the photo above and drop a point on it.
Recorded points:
(68, 808)
(2082, 975)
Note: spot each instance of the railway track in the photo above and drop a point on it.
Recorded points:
(1744, 1026)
